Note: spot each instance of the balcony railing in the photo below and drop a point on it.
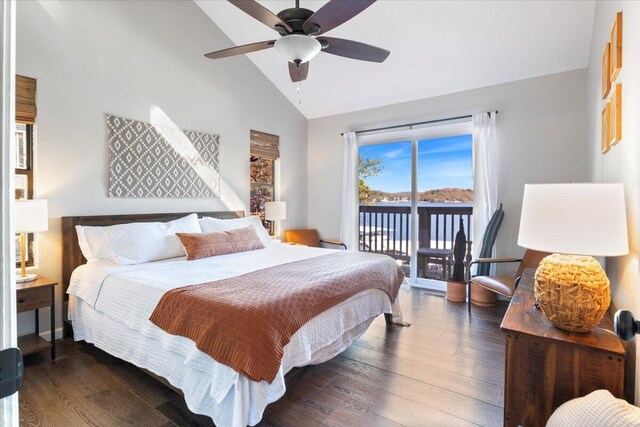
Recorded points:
(387, 229)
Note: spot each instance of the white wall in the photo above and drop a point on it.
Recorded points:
(622, 162)
(142, 60)
(541, 135)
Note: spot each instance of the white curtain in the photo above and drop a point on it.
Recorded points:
(349, 228)
(485, 197)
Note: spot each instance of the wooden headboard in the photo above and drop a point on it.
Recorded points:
(72, 256)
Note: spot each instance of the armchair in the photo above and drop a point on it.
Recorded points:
(503, 285)
(309, 237)
(488, 241)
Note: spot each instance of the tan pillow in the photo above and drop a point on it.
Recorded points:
(203, 245)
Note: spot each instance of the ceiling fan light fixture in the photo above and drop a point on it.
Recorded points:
(298, 48)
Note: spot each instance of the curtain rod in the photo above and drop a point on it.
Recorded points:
(411, 125)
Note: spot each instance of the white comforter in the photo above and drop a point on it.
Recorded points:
(111, 305)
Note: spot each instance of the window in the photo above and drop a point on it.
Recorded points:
(416, 192)
(264, 154)
(24, 133)
(262, 187)
(24, 161)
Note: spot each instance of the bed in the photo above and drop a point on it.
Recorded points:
(109, 306)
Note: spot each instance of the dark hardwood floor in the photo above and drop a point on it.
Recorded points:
(447, 369)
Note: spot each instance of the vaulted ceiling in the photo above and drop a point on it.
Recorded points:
(437, 47)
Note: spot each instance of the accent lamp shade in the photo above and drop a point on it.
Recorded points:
(297, 47)
(31, 216)
(275, 211)
(576, 219)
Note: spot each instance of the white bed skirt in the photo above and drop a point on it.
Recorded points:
(319, 340)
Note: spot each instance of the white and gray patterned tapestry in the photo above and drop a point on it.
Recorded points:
(147, 160)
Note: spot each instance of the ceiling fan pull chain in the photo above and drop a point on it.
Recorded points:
(299, 93)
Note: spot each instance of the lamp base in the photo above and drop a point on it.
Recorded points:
(572, 291)
(26, 278)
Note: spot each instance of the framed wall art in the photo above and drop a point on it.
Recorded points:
(616, 114)
(606, 71)
(153, 161)
(605, 140)
(615, 62)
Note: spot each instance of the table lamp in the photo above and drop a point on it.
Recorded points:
(574, 222)
(275, 211)
(30, 217)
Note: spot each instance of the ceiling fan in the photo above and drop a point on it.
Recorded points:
(301, 34)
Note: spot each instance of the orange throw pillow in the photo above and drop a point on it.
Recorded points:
(204, 245)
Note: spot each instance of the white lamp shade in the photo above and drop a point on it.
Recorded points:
(31, 216)
(297, 47)
(576, 219)
(275, 211)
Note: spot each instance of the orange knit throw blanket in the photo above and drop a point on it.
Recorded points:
(246, 321)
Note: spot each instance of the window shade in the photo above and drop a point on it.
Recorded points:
(26, 100)
(265, 145)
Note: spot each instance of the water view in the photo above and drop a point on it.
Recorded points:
(383, 224)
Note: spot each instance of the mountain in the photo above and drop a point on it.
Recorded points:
(441, 195)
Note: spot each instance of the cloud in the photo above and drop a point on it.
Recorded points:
(393, 154)
(425, 148)
(450, 168)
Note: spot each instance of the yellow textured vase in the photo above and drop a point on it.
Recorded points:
(572, 291)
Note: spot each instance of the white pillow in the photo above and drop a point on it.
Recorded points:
(136, 242)
(212, 225)
(93, 242)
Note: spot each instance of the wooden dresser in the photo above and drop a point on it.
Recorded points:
(546, 366)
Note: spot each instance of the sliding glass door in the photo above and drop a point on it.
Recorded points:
(415, 193)
(385, 200)
(444, 203)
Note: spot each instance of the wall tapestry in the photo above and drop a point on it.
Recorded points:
(147, 160)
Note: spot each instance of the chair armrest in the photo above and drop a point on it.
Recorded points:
(517, 281)
(333, 242)
(495, 260)
(489, 261)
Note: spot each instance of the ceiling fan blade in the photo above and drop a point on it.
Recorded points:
(334, 13)
(298, 73)
(261, 13)
(240, 50)
(353, 50)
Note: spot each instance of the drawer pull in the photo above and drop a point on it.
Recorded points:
(21, 300)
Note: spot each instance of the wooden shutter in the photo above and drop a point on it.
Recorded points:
(265, 145)
(26, 100)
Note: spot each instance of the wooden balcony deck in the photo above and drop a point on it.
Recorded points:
(386, 229)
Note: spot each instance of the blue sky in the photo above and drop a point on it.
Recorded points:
(442, 163)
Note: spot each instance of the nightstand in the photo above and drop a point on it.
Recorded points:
(34, 295)
(546, 366)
